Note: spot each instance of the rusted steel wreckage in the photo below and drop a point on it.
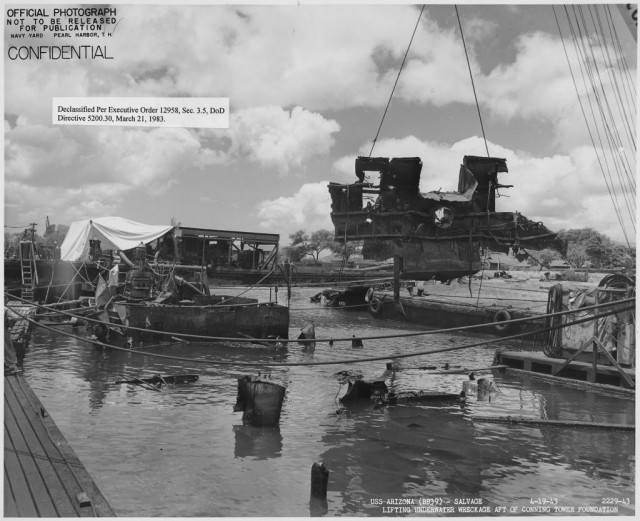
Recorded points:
(157, 303)
(435, 234)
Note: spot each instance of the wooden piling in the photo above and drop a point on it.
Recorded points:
(318, 505)
(319, 481)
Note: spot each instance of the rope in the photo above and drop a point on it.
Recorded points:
(472, 83)
(333, 362)
(372, 337)
(396, 83)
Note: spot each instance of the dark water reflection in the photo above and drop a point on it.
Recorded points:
(183, 452)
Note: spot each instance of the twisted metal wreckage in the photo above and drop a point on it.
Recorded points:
(435, 234)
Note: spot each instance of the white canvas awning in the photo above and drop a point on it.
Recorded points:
(114, 233)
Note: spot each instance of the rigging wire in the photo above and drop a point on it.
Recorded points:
(375, 139)
(276, 340)
(612, 70)
(613, 135)
(352, 360)
(589, 130)
(608, 123)
(630, 83)
(472, 83)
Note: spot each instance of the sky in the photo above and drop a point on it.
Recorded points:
(307, 87)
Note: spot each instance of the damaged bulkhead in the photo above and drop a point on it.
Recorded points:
(436, 234)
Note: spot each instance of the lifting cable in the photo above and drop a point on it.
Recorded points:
(472, 83)
(371, 337)
(332, 362)
(375, 139)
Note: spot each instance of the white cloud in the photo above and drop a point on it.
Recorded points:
(318, 57)
(307, 209)
(150, 161)
(73, 156)
(278, 139)
(25, 203)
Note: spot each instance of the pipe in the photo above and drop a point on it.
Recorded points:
(125, 259)
(180, 280)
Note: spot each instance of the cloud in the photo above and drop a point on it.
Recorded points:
(149, 161)
(278, 139)
(72, 156)
(155, 158)
(318, 57)
(307, 209)
(25, 203)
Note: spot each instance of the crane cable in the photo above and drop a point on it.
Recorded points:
(472, 83)
(396, 83)
(336, 362)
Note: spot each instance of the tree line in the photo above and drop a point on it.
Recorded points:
(587, 248)
(308, 247)
(45, 244)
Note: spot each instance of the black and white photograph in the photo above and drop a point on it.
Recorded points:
(319, 259)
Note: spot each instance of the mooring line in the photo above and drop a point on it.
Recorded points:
(332, 362)
(370, 337)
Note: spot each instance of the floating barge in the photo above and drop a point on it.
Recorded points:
(594, 344)
(460, 304)
(554, 369)
(43, 477)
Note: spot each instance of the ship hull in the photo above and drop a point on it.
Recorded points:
(257, 321)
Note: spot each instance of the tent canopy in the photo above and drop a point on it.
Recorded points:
(114, 233)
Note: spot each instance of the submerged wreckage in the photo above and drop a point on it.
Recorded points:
(435, 234)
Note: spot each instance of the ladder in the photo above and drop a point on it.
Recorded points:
(28, 269)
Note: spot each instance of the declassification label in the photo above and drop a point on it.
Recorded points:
(142, 112)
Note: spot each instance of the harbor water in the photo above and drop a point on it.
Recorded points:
(182, 451)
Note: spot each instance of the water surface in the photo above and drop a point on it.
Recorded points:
(183, 452)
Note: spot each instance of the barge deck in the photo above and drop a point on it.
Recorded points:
(458, 305)
(43, 476)
(585, 373)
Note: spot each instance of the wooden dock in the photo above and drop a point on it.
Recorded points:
(43, 477)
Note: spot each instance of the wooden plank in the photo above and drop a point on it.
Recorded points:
(521, 420)
(614, 362)
(62, 503)
(540, 357)
(82, 481)
(21, 492)
(60, 481)
(571, 381)
(51, 473)
(38, 471)
(10, 506)
(22, 411)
